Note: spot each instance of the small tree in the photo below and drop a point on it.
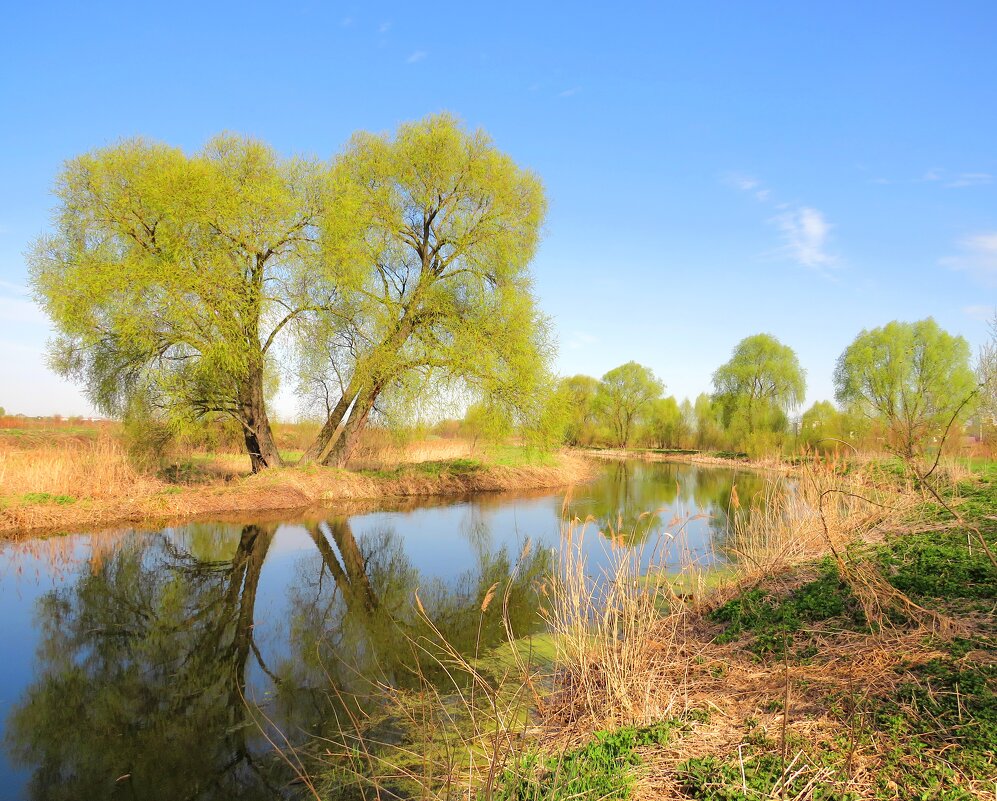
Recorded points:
(429, 238)
(708, 425)
(986, 376)
(760, 384)
(913, 376)
(664, 425)
(623, 394)
(581, 392)
(487, 423)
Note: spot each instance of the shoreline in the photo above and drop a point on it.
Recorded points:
(288, 490)
(617, 454)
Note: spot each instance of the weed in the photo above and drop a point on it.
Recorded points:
(47, 497)
(755, 773)
(601, 770)
(768, 618)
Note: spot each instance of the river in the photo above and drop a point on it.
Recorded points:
(139, 664)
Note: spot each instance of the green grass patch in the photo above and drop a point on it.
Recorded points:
(939, 564)
(773, 620)
(756, 774)
(519, 456)
(948, 706)
(599, 771)
(949, 563)
(47, 497)
(451, 467)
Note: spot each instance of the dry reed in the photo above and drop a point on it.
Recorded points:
(97, 468)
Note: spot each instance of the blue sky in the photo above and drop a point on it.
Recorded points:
(714, 169)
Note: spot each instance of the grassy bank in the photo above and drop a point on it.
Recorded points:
(850, 654)
(91, 482)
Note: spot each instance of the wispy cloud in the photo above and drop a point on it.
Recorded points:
(977, 256)
(416, 57)
(748, 183)
(346, 22)
(956, 180)
(804, 230)
(741, 181)
(980, 312)
(574, 90)
(805, 233)
(384, 27)
(970, 179)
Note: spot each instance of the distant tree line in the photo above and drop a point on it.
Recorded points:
(902, 387)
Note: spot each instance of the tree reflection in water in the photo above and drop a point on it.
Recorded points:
(153, 656)
(637, 501)
(146, 659)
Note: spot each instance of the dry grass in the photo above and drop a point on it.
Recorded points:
(611, 627)
(377, 449)
(91, 483)
(81, 469)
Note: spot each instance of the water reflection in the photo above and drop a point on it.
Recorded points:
(156, 653)
(144, 662)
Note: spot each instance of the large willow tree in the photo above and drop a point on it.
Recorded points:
(427, 242)
(172, 276)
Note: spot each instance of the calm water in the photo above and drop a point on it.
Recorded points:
(134, 664)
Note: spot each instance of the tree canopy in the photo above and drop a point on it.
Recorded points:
(174, 275)
(401, 268)
(914, 376)
(429, 244)
(762, 381)
(623, 394)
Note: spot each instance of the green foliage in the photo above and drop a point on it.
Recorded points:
(624, 393)
(47, 497)
(761, 774)
(914, 376)
(710, 433)
(771, 619)
(582, 423)
(599, 771)
(428, 243)
(758, 386)
(485, 424)
(664, 423)
(172, 275)
(545, 421)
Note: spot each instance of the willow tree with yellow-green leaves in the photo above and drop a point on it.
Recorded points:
(427, 241)
(174, 276)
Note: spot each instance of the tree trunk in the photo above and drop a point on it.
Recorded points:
(333, 446)
(346, 444)
(319, 449)
(260, 444)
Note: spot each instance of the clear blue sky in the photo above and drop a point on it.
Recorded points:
(714, 169)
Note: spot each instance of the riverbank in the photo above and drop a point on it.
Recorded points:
(730, 460)
(130, 498)
(861, 666)
(868, 672)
